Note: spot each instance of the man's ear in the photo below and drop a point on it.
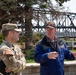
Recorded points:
(10, 33)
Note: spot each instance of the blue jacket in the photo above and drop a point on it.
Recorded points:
(51, 66)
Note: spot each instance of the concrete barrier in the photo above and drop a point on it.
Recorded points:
(33, 68)
(70, 68)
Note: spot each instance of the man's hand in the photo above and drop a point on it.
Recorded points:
(52, 55)
(7, 70)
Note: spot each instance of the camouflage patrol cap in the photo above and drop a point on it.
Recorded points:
(10, 26)
(50, 25)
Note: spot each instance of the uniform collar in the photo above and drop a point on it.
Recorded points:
(9, 45)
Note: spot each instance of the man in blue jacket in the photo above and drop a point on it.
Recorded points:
(50, 52)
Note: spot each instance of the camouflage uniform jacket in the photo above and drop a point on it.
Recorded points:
(15, 61)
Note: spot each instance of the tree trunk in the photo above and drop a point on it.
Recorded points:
(28, 29)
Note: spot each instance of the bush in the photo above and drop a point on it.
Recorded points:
(36, 37)
(29, 55)
(1, 38)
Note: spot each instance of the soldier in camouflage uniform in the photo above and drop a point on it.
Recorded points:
(12, 60)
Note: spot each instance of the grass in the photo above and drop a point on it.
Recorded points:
(30, 61)
(73, 50)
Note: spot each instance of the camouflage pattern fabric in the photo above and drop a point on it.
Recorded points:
(12, 57)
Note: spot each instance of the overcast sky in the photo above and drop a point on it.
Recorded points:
(71, 5)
